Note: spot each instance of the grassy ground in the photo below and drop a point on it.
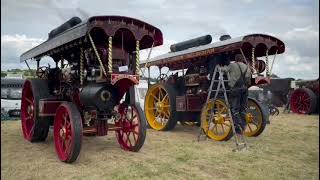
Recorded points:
(287, 149)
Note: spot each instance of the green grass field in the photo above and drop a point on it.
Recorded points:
(287, 149)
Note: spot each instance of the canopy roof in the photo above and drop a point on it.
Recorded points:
(183, 59)
(142, 31)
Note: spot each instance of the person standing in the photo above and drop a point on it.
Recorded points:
(239, 76)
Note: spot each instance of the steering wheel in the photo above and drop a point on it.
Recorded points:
(162, 77)
(66, 64)
(42, 72)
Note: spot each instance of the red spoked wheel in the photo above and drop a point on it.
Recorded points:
(303, 101)
(132, 133)
(28, 111)
(67, 132)
(34, 128)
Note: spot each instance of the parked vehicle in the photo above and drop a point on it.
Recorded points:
(11, 89)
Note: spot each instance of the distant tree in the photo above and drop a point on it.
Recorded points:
(274, 76)
(29, 73)
(3, 74)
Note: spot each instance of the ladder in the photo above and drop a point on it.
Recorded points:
(221, 88)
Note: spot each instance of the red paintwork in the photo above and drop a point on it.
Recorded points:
(28, 111)
(116, 77)
(123, 86)
(139, 29)
(190, 102)
(101, 127)
(260, 80)
(48, 107)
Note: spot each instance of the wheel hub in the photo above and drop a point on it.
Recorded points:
(126, 126)
(219, 119)
(249, 118)
(160, 106)
(30, 110)
(63, 133)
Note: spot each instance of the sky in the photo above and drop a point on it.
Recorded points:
(25, 24)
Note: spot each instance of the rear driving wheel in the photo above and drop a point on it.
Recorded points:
(131, 127)
(34, 128)
(67, 132)
(219, 128)
(160, 107)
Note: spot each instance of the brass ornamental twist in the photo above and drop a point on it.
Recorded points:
(97, 54)
(137, 57)
(267, 63)
(253, 61)
(110, 55)
(81, 66)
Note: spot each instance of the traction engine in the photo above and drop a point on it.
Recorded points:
(90, 91)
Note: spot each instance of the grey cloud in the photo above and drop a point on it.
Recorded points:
(181, 19)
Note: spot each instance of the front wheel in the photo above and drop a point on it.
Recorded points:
(160, 107)
(67, 132)
(219, 127)
(131, 127)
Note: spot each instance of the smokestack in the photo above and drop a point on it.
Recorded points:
(225, 37)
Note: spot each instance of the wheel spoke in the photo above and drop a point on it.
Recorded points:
(69, 125)
(31, 131)
(250, 127)
(226, 124)
(68, 146)
(155, 97)
(129, 139)
(222, 128)
(160, 93)
(134, 117)
(65, 120)
(28, 100)
(163, 99)
(165, 114)
(134, 137)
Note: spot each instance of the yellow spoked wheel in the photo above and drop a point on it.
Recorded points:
(219, 128)
(256, 119)
(160, 105)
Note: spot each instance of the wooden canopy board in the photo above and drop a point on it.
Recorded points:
(198, 55)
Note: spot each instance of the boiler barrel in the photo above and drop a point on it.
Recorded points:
(70, 23)
(203, 40)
